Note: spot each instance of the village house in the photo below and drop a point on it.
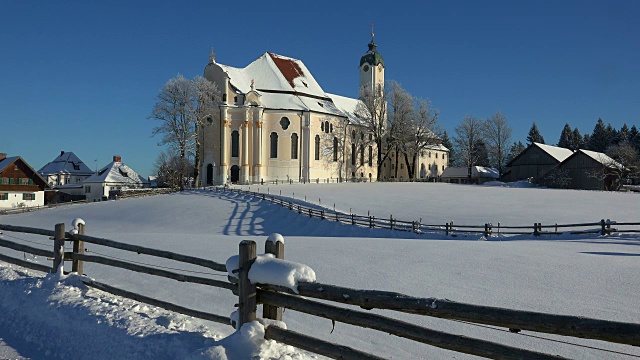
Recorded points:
(20, 185)
(460, 175)
(429, 164)
(277, 123)
(65, 175)
(584, 170)
(114, 177)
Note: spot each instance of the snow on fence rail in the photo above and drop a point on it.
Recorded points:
(602, 227)
(294, 296)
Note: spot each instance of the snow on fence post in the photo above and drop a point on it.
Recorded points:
(246, 290)
(58, 249)
(77, 266)
(275, 247)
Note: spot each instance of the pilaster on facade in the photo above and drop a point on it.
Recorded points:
(225, 158)
(257, 144)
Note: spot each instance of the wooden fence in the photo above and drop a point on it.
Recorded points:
(274, 298)
(601, 227)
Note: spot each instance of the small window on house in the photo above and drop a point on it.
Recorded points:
(274, 145)
(321, 105)
(4, 181)
(87, 189)
(28, 196)
(322, 126)
(76, 167)
(4, 196)
(11, 181)
(326, 127)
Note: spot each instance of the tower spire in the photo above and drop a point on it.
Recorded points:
(212, 56)
(372, 32)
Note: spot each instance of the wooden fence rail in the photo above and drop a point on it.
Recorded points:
(487, 229)
(275, 298)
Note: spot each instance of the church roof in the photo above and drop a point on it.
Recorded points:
(66, 163)
(372, 57)
(285, 83)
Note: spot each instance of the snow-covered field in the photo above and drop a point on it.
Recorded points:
(47, 317)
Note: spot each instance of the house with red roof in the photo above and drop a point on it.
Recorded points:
(20, 184)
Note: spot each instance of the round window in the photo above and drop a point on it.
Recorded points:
(365, 68)
(284, 122)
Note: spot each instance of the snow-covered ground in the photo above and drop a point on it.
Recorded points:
(51, 318)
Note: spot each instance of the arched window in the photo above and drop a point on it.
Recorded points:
(274, 145)
(370, 155)
(294, 146)
(353, 134)
(235, 143)
(331, 128)
(326, 127)
(361, 155)
(353, 154)
(335, 148)
(322, 126)
(317, 147)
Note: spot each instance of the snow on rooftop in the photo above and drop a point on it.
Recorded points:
(557, 153)
(603, 159)
(476, 171)
(117, 172)
(66, 163)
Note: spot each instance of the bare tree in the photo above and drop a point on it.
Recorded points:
(181, 107)
(167, 168)
(419, 134)
(333, 143)
(372, 113)
(497, 136)
(623, 162)
(468, 135)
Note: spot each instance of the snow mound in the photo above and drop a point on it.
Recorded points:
(269, 270)
(275, 237)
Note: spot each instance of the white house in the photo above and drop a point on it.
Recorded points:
(20, 185)
(115, 176)
(65, 174)
(460, 175)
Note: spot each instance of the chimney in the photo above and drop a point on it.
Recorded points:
(3, 156)
(61, 153)
(117, 158)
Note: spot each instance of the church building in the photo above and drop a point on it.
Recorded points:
(277, 123)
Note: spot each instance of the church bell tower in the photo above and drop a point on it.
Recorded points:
(371, 68)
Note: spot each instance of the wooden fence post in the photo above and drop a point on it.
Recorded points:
(77, 266)
(272, 246)
(246, 290)
(391, 221)
(446, 229)
(535, 229)
(603, 230)
(58, 249)
(486, 230)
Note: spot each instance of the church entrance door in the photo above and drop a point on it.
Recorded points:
(235, 173)
(209, 174)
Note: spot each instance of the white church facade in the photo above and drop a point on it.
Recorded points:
(277, 123)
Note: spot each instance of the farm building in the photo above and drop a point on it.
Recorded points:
(534, 162)
(20, 185)
(460, 175)
(585, 170)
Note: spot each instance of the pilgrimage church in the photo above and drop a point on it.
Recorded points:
(277, 123)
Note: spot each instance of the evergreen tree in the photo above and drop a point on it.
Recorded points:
(634, 137)
(481, 153)
(600, 138)
(516, 149)
(566, 137)
(577, 141)
(534, 135)
(585, 141)
(446, 142)
(622, 135)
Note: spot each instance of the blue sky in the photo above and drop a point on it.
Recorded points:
(83, 76)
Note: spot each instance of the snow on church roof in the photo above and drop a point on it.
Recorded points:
(66, 163)
(117, 172)
(286, 83)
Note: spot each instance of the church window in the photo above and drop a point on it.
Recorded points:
(361, 136)
(284, 122)
(370, 137)
(361, 155)
(210, 120)
(326, 127)
(224, 97)
(331, 128)
(274, 145)
(235, 99)
(442, 167)
(353, 154)
(294, 146)
(436, 155)
(429, 154)
(370, 155)
(335, 148)
(317, 147)
(401, 166)
(322, 126)
(353, 134)
(235, 143)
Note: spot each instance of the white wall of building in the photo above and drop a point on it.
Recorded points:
(15, 199)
